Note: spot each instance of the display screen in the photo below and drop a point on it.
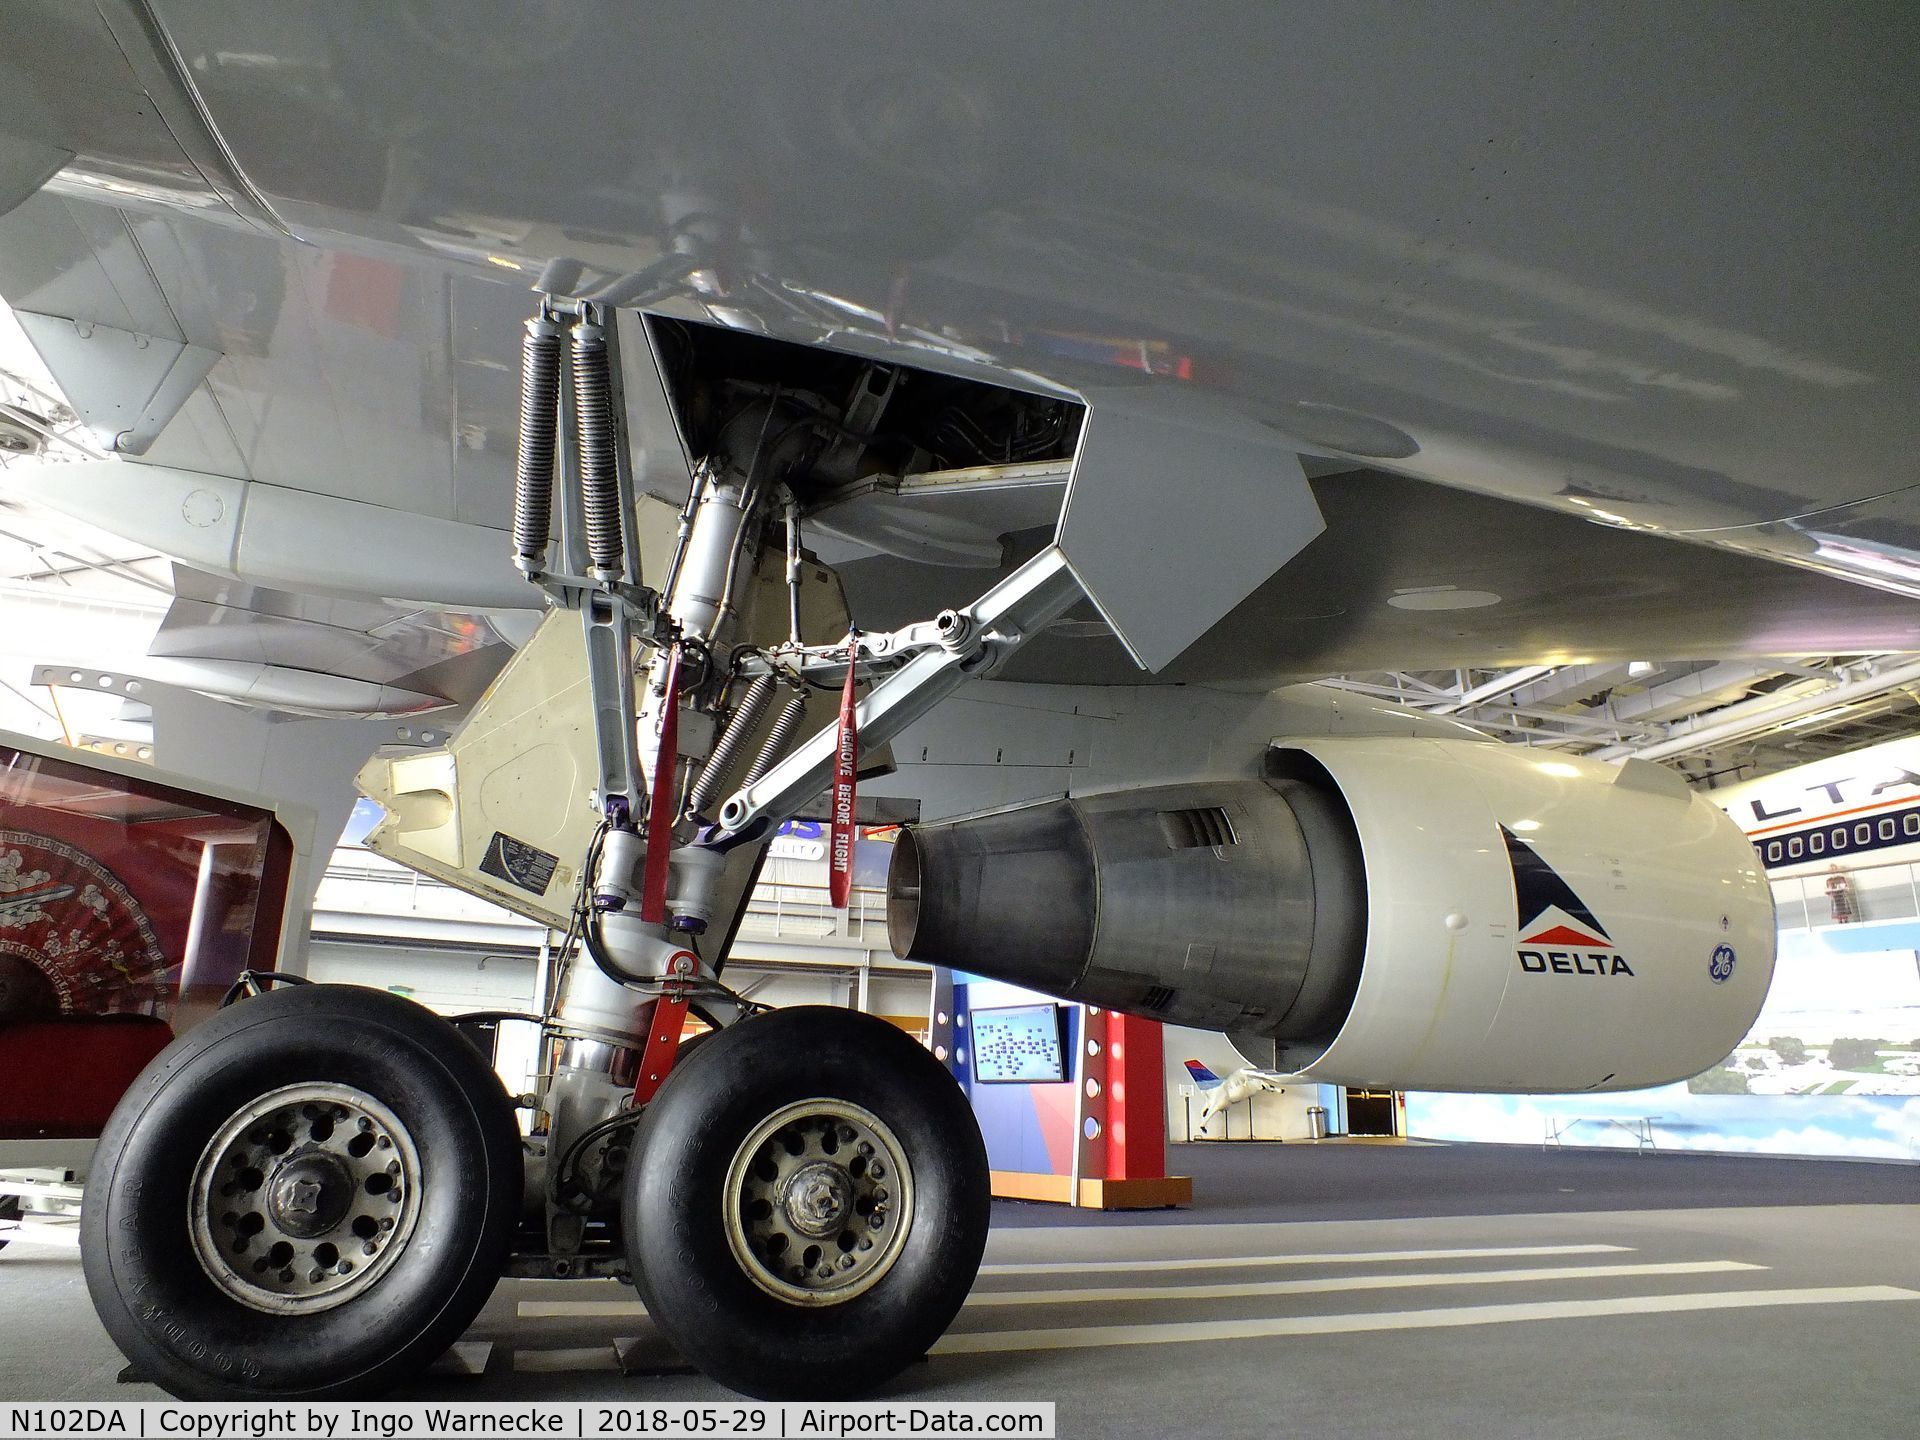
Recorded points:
(1019, 1045)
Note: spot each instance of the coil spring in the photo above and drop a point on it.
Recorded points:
(732, 740)
(784, 724)
(593, 420)
(533, 464)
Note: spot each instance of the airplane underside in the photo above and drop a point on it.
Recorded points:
(951, 439)
(1353, 895)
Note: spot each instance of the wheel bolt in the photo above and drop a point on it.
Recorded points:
(368, 1248)
(846, 1262)
(864, 1245)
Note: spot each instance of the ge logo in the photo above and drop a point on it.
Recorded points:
(1720, 966)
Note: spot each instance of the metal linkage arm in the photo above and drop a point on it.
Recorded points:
(973, 641)
(877, 650)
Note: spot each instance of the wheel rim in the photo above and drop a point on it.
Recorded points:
(818, 1202)
(305, 1198)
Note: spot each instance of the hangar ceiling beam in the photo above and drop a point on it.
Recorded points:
(1496, 687)
(1766, 713)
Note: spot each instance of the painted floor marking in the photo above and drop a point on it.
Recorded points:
(1088, 1337)
(1318, 1285)
(1249, 1262)
(1340, 1284)
(579, 1309)
(548, 1362)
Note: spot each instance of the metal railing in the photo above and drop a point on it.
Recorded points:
(1873, 892)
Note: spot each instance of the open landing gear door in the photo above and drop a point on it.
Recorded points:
(1165, 502)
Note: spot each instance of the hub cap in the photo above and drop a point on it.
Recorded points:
(818, 1202)
(304, 1198)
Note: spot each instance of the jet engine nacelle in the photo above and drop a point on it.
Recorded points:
(1430, 914)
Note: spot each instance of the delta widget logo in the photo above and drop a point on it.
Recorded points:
(1559, 933)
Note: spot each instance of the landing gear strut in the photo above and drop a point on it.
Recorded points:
(312, 1194)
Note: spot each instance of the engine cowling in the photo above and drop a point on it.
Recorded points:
(1433, 914)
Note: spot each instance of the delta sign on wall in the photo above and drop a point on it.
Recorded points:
(806, 840)
(1832, 1066)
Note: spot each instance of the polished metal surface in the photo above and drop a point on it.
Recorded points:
(1648, 267)
(818, 1202)
(1551, 251)
(1236, 905)
(304, 1198)
(1643, 270)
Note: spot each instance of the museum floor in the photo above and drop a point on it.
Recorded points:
(1470, 1290)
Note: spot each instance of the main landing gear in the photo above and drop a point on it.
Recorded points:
(313, 1194)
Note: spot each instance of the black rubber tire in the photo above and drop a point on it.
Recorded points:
(176, 1326)
(694, 1289)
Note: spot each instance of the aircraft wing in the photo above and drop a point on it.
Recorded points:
(290, 247)
(387, 385)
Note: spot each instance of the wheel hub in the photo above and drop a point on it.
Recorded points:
(818, 1202)
(309, 1195)
(817, 1199)
(304, 1198)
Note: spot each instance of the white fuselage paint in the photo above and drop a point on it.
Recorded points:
(1857, 810)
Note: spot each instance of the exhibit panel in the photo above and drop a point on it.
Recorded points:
(1069, 1098)
(130, 904)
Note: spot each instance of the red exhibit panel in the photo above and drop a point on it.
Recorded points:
(128, 906)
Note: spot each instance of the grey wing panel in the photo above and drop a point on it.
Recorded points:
(385, 380)
(451, 656)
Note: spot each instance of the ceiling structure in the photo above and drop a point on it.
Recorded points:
(1716, 721)
(69, 591)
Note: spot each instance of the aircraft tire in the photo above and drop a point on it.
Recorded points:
(252, 1221)
(807, 1204)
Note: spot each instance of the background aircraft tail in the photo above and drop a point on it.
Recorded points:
(1202, 1076)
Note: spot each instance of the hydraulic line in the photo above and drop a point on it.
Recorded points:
(533, 464)
(732, 741)
(778, 738)
(599, 466)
